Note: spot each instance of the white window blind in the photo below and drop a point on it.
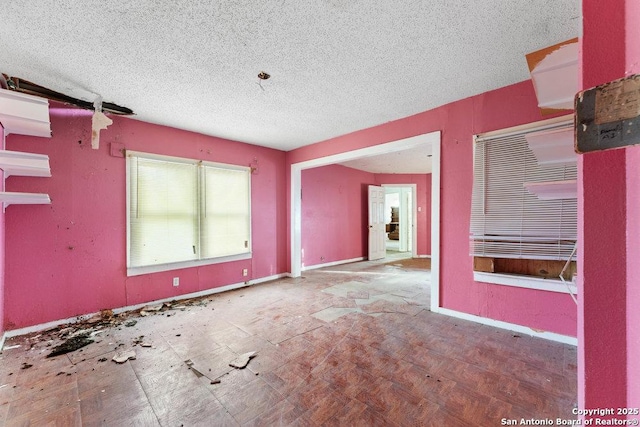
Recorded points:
(225, 212)
(507, 221)
(185, 212)
(163, 212)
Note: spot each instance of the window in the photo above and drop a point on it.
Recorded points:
(184, 213)
(524, 207)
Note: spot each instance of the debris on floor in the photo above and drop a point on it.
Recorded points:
(72, 344)
(11, 347)
(141, 342)
(195, 370)
(26, 365)
(148, 309)
(199, 372)
(72, 336)
(124, 356)
(242, 361)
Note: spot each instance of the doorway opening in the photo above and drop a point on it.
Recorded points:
(400, 219)
(427, 141)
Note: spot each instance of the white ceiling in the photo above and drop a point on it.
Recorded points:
(413, 161)
(336, 65)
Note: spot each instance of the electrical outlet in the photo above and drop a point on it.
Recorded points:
(245, 272)
(176, 281)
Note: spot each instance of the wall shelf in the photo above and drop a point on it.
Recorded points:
(553, 147)
(9, 198)
(24, 164)
(24, 114)
(554, 72)
(553, 190)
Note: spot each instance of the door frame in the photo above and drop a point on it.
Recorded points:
(413, 213)
(433, 138)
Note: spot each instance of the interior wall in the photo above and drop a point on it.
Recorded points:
(459, 121)
(2, 244)
(423, 200)
(69, 258)
(334, 214)
(603, 256)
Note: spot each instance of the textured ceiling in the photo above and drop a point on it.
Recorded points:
(336, 65)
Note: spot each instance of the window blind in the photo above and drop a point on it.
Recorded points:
(225, 212)
(163, 211)
(507, 221)
(185, 211)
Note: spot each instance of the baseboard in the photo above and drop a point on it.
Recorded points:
(76, 319)
(551, 336)
(331, 264)
(423, 256)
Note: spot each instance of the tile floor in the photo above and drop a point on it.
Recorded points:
(347, 345)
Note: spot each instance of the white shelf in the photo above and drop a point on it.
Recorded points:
(8, 198)
(553, 190)
(555, 76)
(24, 114)
(24, 164)
(553, 147)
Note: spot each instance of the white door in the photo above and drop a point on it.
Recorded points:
(376, 223)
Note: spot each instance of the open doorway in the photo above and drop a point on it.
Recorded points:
(430, 141)
(400, 215)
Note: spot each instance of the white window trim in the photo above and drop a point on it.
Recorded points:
(523, 281)
(528, 282)
(137, 271)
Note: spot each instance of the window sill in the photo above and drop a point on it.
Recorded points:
(551, 285)
(137, 271)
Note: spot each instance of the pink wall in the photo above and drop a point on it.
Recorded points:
(603, 257)
(633, 220)
(423, 196)
(334, 214)
(2, 251)
(458, 121)
(69, 258)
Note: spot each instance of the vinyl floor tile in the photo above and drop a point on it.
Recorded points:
(352, 345)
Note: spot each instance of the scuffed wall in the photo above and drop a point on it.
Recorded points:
(459, 121)
(69, 258)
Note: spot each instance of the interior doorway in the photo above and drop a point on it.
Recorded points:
(400, 214)
(424, 141)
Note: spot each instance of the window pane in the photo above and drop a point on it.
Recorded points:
(164, 213)
(225, 216)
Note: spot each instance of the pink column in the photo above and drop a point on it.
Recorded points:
(608, 213)
(633, 220)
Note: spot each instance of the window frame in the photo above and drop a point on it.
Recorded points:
(140, 270)
(524, 280)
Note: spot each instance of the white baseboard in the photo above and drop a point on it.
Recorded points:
(552, 336)
(77, 319)
(331, 264)
(423, 256)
